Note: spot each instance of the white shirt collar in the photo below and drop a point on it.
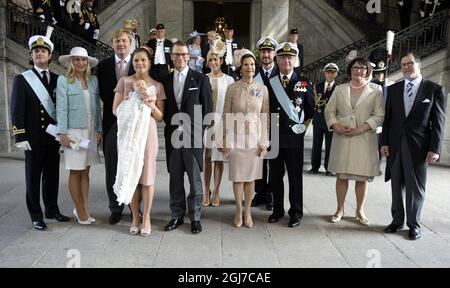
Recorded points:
(182, 72)
(268, 70)
(415, 82)
(288, 75)
(127, 59)
(39, 70)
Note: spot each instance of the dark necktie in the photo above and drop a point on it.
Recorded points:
(45, 78)
(285, 81)
(329, 87)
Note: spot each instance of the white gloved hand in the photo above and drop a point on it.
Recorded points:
(54, 21)
(86, 26)
(24, 146)
(96, 32)
(62, 3)
(42, 17)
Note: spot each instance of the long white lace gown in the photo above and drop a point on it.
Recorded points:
(80, 159)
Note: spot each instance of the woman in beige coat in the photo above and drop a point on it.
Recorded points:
(354, 112)
(245, 122)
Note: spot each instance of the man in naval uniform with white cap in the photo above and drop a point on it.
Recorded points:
(267, 70)
(294, 103)
(32, 110)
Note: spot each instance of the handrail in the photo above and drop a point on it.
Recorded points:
(423, 38)
(63, 40)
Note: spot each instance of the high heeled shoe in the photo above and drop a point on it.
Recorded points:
(92, 219)
(248, 221)
(207, 200)
(134, 230)
(237, 219)
(216, 201)
(145, 232)
(363, 221)
(81, 222)
(335, 219)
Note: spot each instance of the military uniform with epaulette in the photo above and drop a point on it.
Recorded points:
(294, 104)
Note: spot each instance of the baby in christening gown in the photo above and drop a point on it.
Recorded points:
(133, 118)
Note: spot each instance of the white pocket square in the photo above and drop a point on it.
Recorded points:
(193, 88)
(426, 101)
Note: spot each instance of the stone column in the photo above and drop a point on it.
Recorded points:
(275, 19)
(5, 123)
(170, 13)
(445, 152)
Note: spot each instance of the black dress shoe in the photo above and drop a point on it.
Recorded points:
(328, 173)
(392, 228)
(196, 227)
(39, 225)
(269, 206)
(115, 218)
(294, 222)
(274, 218)
(58, 217)
(313, 171)
(174, 223)
(414, 233)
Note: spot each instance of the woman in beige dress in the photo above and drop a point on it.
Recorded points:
(354, 112)
(245, 121)
(219, 84)
(145, 190)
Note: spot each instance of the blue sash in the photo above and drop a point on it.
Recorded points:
(259, 79)
(41, 92)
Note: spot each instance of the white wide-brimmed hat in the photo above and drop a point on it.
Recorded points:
(77, 52)
(194, 34)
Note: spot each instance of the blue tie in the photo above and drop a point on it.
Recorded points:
(409, 90)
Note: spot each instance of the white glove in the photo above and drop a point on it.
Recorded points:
(96, 32)
(24, 146)
(62, 3)
(86, 26)
(54, 21)
(42, 17)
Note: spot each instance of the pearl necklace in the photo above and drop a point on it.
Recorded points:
(359, 87)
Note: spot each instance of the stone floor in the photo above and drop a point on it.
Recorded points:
(316, 243)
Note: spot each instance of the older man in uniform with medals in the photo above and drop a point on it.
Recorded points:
(294, 103)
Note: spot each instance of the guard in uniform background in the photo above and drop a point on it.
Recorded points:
(161, 62)
(294, 103)
(43, 9)
(89, 21)
(32, 110)
(322, 93)
(293, 38)
(267, 70)
(232, 45)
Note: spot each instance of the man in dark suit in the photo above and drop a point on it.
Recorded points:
(109, 72)
(293, 38)
(268, 69)
(294, 103)
(161, 62)
(188, 95)
(232, 45)
(32, 110)
(322, 93)
(412, 138)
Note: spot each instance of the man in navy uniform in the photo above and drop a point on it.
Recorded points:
(294, 103)
(32, 110)
(268, 69)
(293, 38)
(322, 93)
(232, 45)
(161, 61)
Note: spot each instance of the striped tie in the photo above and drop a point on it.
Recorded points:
(409, 90)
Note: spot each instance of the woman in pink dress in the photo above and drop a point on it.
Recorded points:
(145, 190)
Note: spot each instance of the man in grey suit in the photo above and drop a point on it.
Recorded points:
(412, 138)
(189, 100)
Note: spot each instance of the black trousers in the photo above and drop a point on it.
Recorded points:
(316, 154)
(42, 162)
(159, 72)
(292, 159)
(110, 152)
(262, 186)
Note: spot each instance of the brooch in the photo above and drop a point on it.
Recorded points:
(256, 92)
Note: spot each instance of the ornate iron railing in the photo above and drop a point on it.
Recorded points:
(61, 38)
(356, 12)
(101, 5)
(423, 38)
